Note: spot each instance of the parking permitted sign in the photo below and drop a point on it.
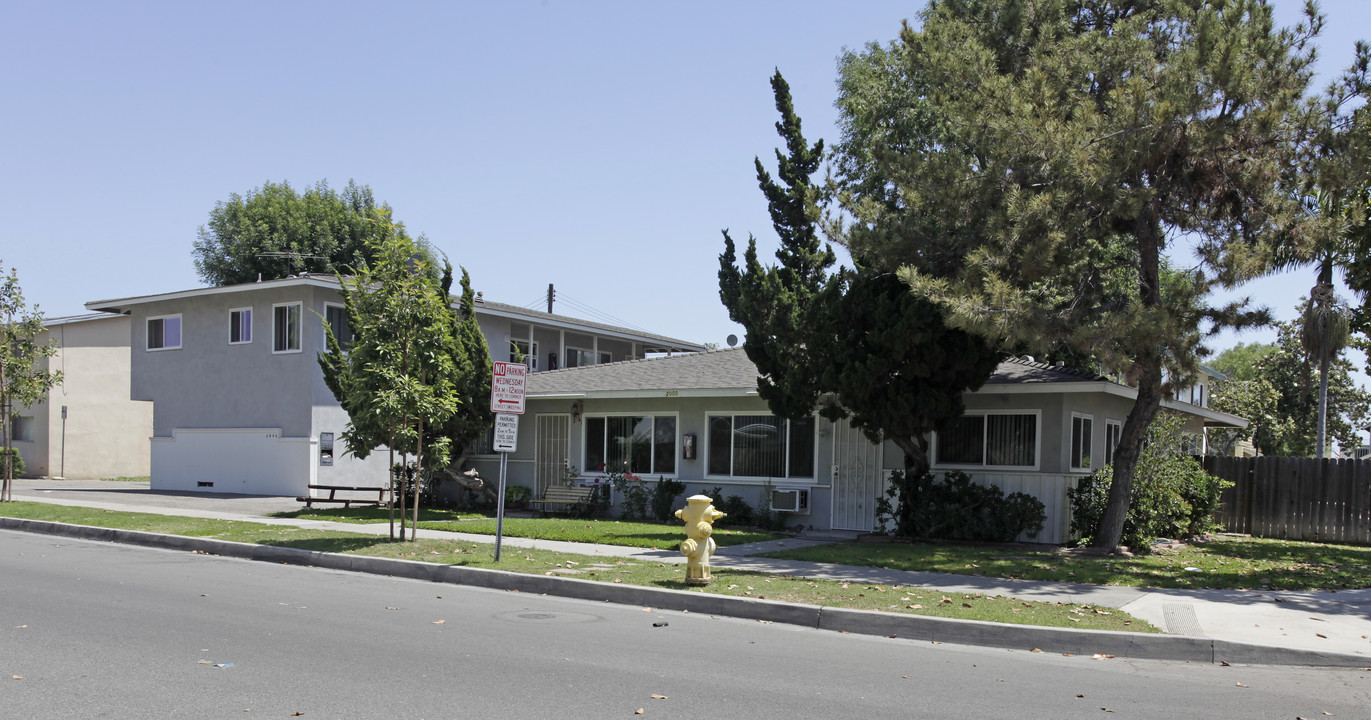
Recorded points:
(506, 432)
(507, 388)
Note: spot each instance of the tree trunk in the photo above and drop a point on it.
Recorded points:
(1149, 381)
(390, 478)
(418, 470)
(1321, 437)
(916, 464)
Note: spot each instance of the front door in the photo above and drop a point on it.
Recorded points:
(552, 443)
(857, 479)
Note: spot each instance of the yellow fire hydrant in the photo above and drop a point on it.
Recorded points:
(699, 516)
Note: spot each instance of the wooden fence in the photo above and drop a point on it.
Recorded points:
(1296, 498)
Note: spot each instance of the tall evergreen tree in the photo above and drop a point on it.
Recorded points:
(853, 343)
(1066, 143)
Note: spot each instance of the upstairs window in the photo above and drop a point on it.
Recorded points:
(1112, 430)
(576, 357)
(285, 328)
(520, 350)
(240, 326)
(164, 333)
(336, 317)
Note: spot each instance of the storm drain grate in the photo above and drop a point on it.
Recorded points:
(1180, 619)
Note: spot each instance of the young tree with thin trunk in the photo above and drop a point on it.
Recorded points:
(22, 381)
(399, 380)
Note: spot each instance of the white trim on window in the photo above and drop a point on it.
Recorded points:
(288, 339)
(1080, 451)
(530, 356)
(675, 440)
(578, 357)
(237, 326)
(168, 327)
(705, 446)
(1113, 429)
(984, 464)
(345, 343)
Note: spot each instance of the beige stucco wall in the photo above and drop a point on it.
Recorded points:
(106, 432)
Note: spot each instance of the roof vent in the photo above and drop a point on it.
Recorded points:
(480, 296)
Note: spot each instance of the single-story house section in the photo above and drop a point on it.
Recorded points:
(239, 401)
(697, 418)
(87, 427)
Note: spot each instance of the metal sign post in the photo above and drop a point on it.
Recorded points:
(507, 402)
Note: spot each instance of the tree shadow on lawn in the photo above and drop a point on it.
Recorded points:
(332, 544)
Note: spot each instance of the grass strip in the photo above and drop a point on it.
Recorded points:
(784, 588)
(661, 536)
(1223, 562)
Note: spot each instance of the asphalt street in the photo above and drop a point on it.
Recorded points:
(101, 630)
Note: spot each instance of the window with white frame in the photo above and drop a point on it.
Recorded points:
(760, 446)
(579, 357)
(990, 440)
(631, 443)
(285, 328)
(520, 350)
(336, 319)
(240, 326)
(164, 333)
(1112, 430)
(1082, 427)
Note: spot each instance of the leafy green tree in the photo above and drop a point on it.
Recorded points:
(400, 380)
(275, 231)
(1254, 399)
(1240, 361)
(22, 381)
(1052, 152)
(1293, 371)
(854, 344)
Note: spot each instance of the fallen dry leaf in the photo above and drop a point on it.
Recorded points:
(914, 607)
(1079, 695)
(439, 622)
(1037, 650)
(639, 711)
(16, 677)
(1240, 685)
(1225, 663)
(1325, 637)
(655, 696)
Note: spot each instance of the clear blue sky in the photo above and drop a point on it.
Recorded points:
(600, 146)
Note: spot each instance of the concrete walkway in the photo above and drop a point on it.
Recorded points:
(1336, 623)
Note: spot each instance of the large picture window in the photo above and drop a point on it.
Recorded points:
(631, 443)
(761, 446)
(164, 333)
(285, 328)
(990, 440)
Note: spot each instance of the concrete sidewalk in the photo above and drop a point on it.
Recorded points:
(1317, 622)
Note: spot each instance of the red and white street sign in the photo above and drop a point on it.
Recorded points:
(507, 388)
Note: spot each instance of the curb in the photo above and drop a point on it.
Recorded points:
(1070, 641)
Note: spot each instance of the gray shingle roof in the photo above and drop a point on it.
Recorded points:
(712, 370)
(731, 370)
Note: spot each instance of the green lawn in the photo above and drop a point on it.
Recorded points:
(1223, 562)
(920, 601)
(593, 530)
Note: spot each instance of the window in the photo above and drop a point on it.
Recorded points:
(991, 440)
(285, 328)
(606, 358)
(761, 446)
(1081, 427)
(240, 326)
(520, 348)
(336, 318)
(326, 449)
(632, 443)
(1112, 430)
(22, 429)
(164, 333)
(576, 357)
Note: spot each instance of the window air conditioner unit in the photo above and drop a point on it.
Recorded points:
(794, 500)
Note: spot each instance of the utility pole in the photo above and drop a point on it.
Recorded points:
(551, 293)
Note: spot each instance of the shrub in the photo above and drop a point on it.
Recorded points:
(517, 496)
(635, 495)
(664, 496)
(955, 508)
(1173, 496)
(17, 463)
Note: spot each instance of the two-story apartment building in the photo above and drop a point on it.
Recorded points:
(239, 401)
